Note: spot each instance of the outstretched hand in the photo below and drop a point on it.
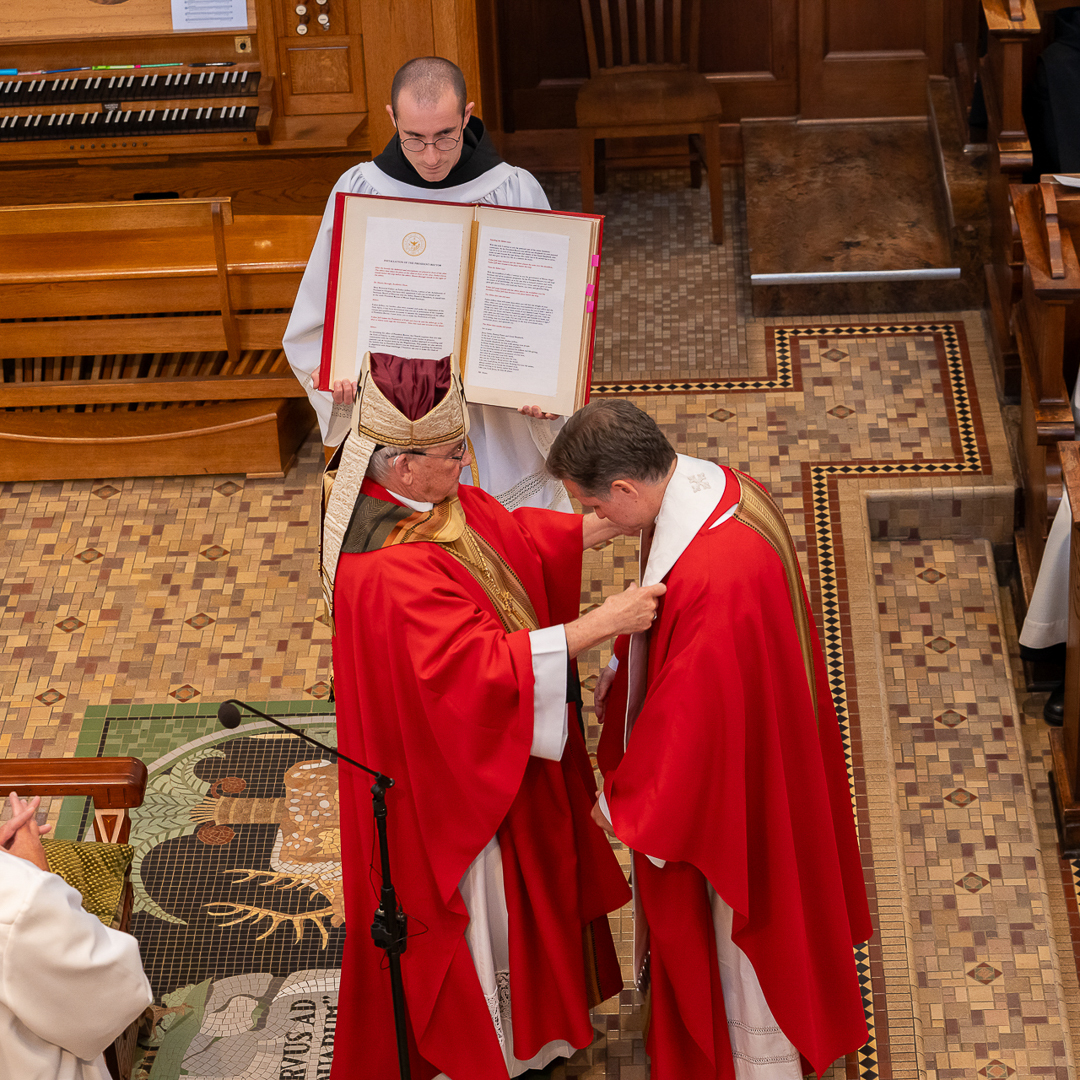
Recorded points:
(634, 609)
(629, 612)
(20, 834)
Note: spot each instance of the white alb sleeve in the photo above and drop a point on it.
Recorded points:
(549, 661)
(72, 981)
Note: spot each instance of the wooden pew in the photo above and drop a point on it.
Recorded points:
(1012, 27)
(145, 339)
(1046, 327)
(1016, 32)
(1065, 741)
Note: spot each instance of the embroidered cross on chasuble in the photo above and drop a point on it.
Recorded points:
(377, 524)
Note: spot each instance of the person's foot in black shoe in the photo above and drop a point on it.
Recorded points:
(1054, 709)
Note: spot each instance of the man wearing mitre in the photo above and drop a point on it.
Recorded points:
(723, 768)
(454, 625)
(440, 152)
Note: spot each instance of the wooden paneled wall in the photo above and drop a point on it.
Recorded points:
(817, 59)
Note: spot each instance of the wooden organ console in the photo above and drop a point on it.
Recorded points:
(146, 341)
(102, 99)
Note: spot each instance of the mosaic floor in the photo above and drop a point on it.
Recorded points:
(131, 607)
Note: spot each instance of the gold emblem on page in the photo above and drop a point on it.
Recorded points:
(414, 244)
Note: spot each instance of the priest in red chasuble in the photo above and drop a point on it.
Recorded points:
(455, 622)
(723, 769)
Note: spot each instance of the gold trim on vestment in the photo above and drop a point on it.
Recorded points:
(758, 512)
(496, 577)
(372, 527)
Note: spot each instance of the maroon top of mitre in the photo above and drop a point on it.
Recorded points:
(413, 387)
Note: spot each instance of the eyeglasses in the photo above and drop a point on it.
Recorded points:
(462, 450)
(444, 143)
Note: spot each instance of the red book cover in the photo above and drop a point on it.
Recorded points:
(323, 382)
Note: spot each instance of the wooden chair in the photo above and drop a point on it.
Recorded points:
(115, 785)
(645, 82)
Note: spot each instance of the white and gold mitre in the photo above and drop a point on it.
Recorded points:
(378, 421)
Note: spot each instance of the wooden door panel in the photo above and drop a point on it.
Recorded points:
(860, 59)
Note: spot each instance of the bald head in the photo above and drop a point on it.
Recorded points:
(428, 79)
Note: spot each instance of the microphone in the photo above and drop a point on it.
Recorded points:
(390, 925)
(228, 715)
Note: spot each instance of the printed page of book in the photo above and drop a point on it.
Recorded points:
(528, 316)
(402, 280)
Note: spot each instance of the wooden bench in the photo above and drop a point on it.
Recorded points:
(1046, 327)
(144, 338)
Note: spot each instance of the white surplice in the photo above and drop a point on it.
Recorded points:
(510, 449)
(68, 984)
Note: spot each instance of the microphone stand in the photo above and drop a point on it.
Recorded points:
(389, 927)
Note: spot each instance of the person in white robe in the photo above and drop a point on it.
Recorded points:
(68, 984)
(429, 109)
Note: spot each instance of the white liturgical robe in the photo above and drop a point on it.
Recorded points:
(509, 448)
(68, 984)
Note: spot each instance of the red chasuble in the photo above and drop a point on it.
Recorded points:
(735, 777)
(433, 692)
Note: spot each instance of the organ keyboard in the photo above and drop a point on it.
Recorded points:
(93, 107)
(107, 101)
(115, 123)
(109, 89)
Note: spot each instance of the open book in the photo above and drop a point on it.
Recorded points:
(510, 292)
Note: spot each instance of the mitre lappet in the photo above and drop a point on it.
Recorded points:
(412, 403)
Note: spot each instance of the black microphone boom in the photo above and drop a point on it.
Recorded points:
(389, 928)
(228, 715)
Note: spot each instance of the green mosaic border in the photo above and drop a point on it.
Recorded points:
(148, 732)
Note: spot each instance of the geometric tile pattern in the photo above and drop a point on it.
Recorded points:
(979, 917)
(203, 588)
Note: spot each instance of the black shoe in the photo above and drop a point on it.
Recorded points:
(1054, 709)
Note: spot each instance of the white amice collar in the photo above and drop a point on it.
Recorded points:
(692, 494)
(411, 504)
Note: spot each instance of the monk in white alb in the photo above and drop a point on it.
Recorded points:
(440, 152)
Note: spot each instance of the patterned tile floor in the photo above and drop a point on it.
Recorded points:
(134, 605)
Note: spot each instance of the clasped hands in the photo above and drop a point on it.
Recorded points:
(21, 834)
(345, 394)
